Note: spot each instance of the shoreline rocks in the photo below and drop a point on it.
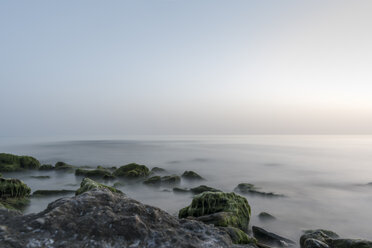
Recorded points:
(132, 170)
(248, 188)
(10, 162)
(88, 184)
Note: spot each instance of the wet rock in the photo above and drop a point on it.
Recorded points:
(13, 193)
(97, 173)
(100, 218)
(46, 167)
(164, 181)
(63, 166)
(1, 175)
(88, 184)
(349, 243)
(271, 239)
(158, 170)
(264, 216)
(203, 188)
(52, 192)
(248, 188)
(11, 162)
(238, 236)
(191, 175)
(314, 243)
(318, 234)
(40, 177)
(132, 170)
(180, 190)
(221, 209)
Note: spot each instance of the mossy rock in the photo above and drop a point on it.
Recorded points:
(236, 209)
(88, 184)
(63, 166)
(264, 216)
(170, 180)
(180, 190)
(191, 175)
(350, 243)
(96, 173)
(118, 184)
(248, 188)
(13, 188)
(238, 236)
(132, 170)
(154, 181)
(46, 167)
(52, 192)
(318, 234)
(18, 203)
(158, 170)
(40, 177)
(203, 188)
(11, 162)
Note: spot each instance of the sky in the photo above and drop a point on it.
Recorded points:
(182, 67)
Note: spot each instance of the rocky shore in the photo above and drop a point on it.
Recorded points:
(103, 216)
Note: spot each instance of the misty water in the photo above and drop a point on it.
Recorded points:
(324, 178)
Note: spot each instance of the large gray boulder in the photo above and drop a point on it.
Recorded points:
(101, 218)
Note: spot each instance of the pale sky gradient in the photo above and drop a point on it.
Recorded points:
(185, 67)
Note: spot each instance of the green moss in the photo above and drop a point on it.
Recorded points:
(97, 173)
(1, 175)
(46, 167)
(132, 170)
(237, 208)
(13, 188)
(63, 166)
(155, 180)
(88, 184)
(158, 170)
(203, 188)
(18, 203)
(191, 175)
(10, 162)
(165, 180)
(52, 192)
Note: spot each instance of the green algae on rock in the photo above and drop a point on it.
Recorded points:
(132, 170)
(238, 236)
(46, 167)
(192, 175)
(203, 188)
(63, 166)
(88, 184)
(158, 170)
(100, 172)
(13, 193)
(10, 162)
(170, 180)
(52, 192)
(230, 209)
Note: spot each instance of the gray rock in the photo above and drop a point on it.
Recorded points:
(314, 243)
(101, 218)
(269, 238)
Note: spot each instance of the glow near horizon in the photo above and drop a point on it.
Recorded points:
(185, 67)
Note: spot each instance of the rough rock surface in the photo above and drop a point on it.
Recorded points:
(271, 239)
(100, 218)
(10, 162)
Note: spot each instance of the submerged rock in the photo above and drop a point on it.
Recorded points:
(63, 166)
(264, 216)
(132, 170)
(220, 209)
(13, 193)
(40, 177)
(180, 190)
(100, 218)
(164, 181)
(191, 175)
(248, 188)
(325, 238)
(53, 192)
(100, 172)
(88, 184)
(158, 170)
(10, 162)
(46, 167)
(203, 188)
(269, 238)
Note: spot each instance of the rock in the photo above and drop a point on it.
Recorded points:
(158, 170)
(118, 184)
(266, 216)
(180, 190)
(314, 243)
(238, 236)
(271, 239)
(97, 173)
(10, 162)
(46, 167)
(88, 184)
(165, 180)
(191, 175)
(13, 193)
(132, 170)
(1, 175)
(52, 192)
(324, 238)
(221, 209)
(247, 188)
(63, 166)
(318, 234)
(100, 218)
(203, 188)
(40, 177)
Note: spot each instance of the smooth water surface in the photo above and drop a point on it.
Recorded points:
(324, 178)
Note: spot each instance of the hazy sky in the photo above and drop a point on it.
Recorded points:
(185, 67)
